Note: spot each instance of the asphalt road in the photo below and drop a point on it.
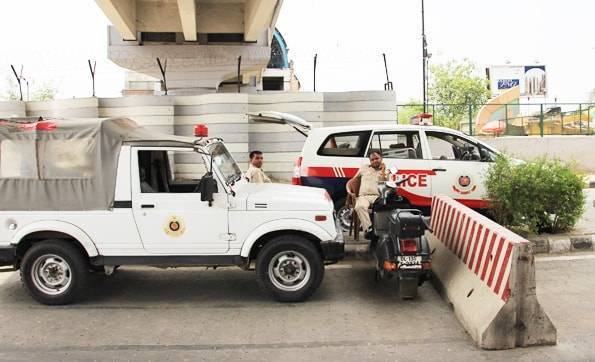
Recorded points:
(191, 314)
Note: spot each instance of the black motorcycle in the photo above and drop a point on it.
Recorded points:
(397, 240)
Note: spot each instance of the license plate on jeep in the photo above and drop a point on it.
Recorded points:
(409, 261)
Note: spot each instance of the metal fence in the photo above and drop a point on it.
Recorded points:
(511, 119)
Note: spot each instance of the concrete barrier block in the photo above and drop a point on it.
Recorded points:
(559, 245)
(487, 273)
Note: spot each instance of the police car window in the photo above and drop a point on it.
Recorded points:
(348, 144)
(445, 146)
(487, 155)
(403, 145)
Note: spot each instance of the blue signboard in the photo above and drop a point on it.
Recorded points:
(507, 83)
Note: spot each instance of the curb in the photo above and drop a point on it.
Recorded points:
(358, 251)
(562, 244)
(545, 244)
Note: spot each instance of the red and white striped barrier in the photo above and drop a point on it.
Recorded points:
(487, 272)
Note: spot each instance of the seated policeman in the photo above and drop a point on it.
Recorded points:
(369, 176)
(255, 174)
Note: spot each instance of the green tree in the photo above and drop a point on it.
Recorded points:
(409, 109)
(11, 92)
(454, 85)
(46, 92)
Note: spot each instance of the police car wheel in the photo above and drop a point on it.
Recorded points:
(343, 214)
(289, 268)
(54, 272)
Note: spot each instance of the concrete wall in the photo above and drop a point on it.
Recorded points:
(225, 114)
(579, 149)
(64, 108)
(12, 109)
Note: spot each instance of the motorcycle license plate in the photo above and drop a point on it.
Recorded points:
(409, 261)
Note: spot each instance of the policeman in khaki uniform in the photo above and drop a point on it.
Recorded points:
(369, 175)
(255, 174)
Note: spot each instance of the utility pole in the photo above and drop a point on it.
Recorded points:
(424, 55)
(163, 70)
(92, 70)
(315, 57)
(239, 73)
(27, 84)
(19, 79)
(388, 85)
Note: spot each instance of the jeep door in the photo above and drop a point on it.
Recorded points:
(169, 213)
(460, 165)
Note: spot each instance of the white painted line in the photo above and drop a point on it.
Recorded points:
(565, 257)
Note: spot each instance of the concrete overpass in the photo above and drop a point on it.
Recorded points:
(201, 40)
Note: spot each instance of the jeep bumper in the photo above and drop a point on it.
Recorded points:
(334, 250)
(8, 255)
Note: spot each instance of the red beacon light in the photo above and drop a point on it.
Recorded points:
(201, 130)
(39, 125)
(45, 126)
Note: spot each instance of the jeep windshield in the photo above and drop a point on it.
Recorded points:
(223, 160)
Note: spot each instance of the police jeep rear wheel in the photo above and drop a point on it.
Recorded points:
(289, 268)
(54, 272)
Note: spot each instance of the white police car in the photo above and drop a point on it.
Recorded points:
(439, 160)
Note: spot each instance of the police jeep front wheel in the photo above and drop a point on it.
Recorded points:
(289, 268)
(54, 272)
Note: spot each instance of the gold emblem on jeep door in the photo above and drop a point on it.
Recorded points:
(174, 226)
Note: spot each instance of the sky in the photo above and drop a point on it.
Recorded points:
(54, 39)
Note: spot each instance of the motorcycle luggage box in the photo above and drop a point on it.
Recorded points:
(407, 223)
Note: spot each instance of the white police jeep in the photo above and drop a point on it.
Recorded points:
(437, 160)
(79, 196)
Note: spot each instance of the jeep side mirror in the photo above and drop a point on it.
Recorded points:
(207, 188)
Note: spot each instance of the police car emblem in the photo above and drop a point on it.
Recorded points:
(464, 185)
(174, 226)
(464, 181)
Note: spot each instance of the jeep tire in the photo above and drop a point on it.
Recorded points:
(54, 272)
(289, 268)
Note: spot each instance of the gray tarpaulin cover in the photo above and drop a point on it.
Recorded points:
(64, 164)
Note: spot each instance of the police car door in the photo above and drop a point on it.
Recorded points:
(403, 149)
(169, 214)
(457, 162)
